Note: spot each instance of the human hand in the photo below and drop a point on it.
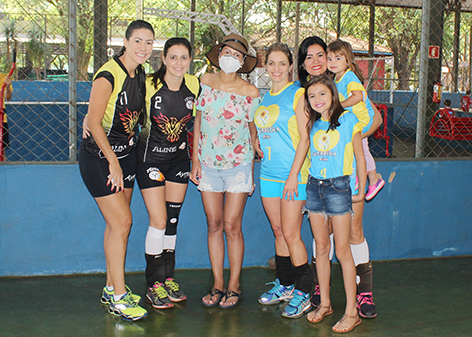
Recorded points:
(196, 172)
(115, 178)
(290, 189)
(85, 128)
(257, 149)
(359, 197)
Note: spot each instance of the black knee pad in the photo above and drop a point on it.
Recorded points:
(173, 211)
(366, 275)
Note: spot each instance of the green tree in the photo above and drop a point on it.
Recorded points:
(35, 50)
(10, 38)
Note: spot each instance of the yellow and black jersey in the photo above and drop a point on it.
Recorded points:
(164, 136)
(122, 112)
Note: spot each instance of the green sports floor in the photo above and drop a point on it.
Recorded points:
(428, 297)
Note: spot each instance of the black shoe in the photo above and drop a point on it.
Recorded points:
(366, 306)
(316, 297)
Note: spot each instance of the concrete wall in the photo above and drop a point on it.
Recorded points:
(49, 224)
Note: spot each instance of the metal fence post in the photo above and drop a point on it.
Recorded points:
(73, 80)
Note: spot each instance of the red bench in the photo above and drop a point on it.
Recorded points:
(381, 132)
(445, 126)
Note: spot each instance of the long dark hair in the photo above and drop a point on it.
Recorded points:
(137, 24)
(158, 76)
(335, 109)
(302, 52)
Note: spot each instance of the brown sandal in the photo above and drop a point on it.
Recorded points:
(357, 321)
(316, 316)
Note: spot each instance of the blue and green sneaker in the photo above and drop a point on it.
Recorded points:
(277, 294)
(298, 305)
(126, 308)
(107, 296)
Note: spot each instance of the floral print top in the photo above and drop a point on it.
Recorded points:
(225, 140)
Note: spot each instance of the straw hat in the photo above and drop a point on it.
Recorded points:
(239, 43)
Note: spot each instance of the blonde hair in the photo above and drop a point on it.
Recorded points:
(344, 48)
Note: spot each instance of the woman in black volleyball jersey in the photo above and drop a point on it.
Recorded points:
(107, 158)
(164, 164)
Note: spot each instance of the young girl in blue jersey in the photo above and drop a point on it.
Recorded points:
(312, 61)
(335, 137)
(353, 97)
(281, 126)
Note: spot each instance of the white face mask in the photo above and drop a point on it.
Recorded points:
(229, 64)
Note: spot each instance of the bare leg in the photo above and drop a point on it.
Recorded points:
(213, 204)
(272, 207)
(128, 194)
(341, 228)
(321, 231)
(233, 216)
(155, 200)
(372, 175)
(115, 209)
(357, 232)
(175, 192)
(292, 219)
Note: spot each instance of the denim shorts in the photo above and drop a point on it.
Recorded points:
(328, 196)
(234, 180)
(275, 189)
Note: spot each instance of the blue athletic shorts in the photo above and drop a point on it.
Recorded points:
(274, 189)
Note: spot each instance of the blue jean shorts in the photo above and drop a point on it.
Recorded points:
(328, 196)
(234, 180)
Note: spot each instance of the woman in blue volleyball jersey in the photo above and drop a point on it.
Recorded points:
(281, 125)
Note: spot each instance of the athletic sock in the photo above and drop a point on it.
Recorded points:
(154, 241)
(284, 270)
(116, 298)
(304, 278)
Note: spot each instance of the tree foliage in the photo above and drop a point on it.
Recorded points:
(396, 28)
(401, 29)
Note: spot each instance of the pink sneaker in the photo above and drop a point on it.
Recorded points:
(374, 189)
(366, 306)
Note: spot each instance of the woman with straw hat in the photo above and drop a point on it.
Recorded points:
(223, 160)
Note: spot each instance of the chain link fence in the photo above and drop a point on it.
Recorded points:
(403, 49)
